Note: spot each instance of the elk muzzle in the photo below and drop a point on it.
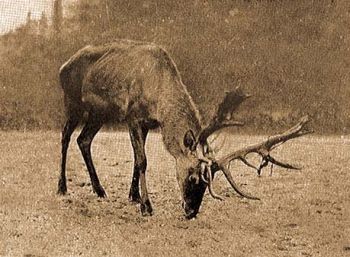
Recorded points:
(193, 192)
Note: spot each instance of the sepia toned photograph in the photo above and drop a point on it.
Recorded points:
(175, 128)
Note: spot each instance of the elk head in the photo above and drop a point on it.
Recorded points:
(199, 165)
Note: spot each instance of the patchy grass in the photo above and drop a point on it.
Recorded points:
(302, 213)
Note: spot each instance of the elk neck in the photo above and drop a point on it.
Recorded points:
(177, 115)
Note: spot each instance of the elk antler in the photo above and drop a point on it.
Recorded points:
(223, 116)
(208, 169)
(263, 149)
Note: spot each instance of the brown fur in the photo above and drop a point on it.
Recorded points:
(128, 80)
(136, 83)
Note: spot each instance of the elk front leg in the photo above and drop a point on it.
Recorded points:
(85, 138)
(138, 133)
(134, 193)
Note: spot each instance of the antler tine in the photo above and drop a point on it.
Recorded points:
(281, 164)
(206, 168)
(244, 160)
(210, 185)
(223, 116)
(263, 164)
(229, 178)
(215, 126)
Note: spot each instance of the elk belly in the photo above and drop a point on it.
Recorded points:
(108, 110)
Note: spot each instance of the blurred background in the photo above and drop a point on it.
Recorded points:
(293, 56)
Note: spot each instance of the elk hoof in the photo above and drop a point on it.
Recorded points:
(134, 198)
(62, 187)
(146, 208)
(100, 192)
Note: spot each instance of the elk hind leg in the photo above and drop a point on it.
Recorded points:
(68, 129)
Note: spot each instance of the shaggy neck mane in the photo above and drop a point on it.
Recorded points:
(179, 116)
(178, 112)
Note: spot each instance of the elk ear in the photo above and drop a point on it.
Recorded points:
(190, 140)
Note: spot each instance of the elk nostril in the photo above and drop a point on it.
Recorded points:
(190, 213)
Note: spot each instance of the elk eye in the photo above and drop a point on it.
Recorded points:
(190, 140)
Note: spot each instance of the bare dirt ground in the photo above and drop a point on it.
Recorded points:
(302, 213)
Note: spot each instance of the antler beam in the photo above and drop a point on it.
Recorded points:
(263, 149)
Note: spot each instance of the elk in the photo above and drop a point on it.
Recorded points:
(138, 84)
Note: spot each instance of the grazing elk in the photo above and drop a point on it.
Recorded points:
(139, 84)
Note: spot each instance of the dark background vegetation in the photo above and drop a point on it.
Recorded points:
(293, 56)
